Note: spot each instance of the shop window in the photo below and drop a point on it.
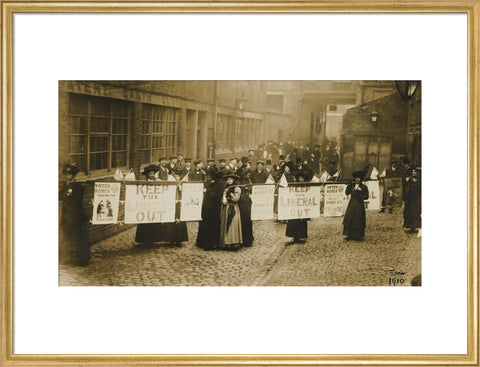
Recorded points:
(158, 138)
(98, 132)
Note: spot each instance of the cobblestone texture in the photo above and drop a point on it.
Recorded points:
(326, 259)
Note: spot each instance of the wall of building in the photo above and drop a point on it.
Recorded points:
(364, 141)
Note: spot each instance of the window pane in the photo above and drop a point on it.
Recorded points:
(157, 127)
(120, 109)
(119, 159)
(157, 113)
(78, 104)
(98, 144)
(157, 141)
(98, 161)
(145, 142)
(78, 124)
(119, 126)
(99, 125)
(77, 144)
(146, 112)
(100, 107)
(79, 160)
(119, 142)
(145, 127)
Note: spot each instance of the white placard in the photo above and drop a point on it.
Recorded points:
(295, 202)
(192, 199)
(373, 202)
(262, 201)
(105, 202)
(150, 203)
(335, 200)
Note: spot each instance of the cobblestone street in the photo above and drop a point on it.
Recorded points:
(387, 255)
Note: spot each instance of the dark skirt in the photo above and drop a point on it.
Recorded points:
(354, 222)
(76, 241)
(161, 232)
(245, 206)
(297, 228)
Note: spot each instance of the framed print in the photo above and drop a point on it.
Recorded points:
(239, 183)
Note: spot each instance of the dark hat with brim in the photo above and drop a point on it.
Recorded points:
(230, 174)
(188, 159)
(358, 174)
(301, 174)
(210, 160)
(198, 161)
(150, 168)
(222, 160)
(162, 159)
(71, 169)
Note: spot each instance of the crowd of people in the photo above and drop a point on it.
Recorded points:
(226, 211)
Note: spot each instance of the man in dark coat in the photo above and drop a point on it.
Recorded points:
(354, 222)
(259, 176)
(197, 174)
(245, 206)
(162, 173)
(187, 169)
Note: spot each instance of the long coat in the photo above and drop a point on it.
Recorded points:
(245, 206)
(354, 222)
(413, 204)
(74, 223)
(208, 235)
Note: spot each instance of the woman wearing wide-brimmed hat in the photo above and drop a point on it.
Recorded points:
(147, 233)
(73, 222)
(230, 220)
(298, 228)
(354, 222)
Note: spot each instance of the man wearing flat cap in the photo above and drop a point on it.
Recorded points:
(187, 169)
(162, 169)
(259, 175)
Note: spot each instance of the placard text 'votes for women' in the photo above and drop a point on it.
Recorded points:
(296, 202)
(150, 203)
(262, 202)
(105, 202)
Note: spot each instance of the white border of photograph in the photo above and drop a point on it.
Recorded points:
(240, 320)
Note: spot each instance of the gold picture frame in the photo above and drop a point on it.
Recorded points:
(471, 8)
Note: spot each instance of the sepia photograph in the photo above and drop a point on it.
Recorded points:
(240, 183)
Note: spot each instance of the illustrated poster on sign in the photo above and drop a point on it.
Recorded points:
(296, 202)
(374, 201)
(336, 201)
(192, 199)
(393, 191)
(262, 202)
(149, 203)
(105, 202)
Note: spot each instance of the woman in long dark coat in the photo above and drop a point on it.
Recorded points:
(147, 233)
(245, 206)
(73, 221)
(298, 228)
(209, 227)
(230, 221)
(413, 202)
(354, 222)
